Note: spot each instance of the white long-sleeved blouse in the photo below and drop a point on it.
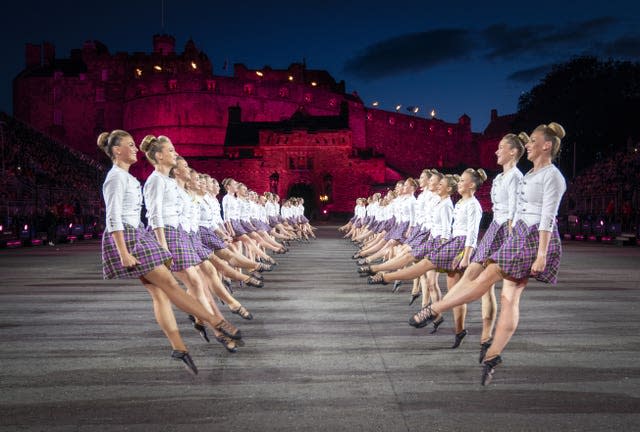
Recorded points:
(466, 220)
(504, 195)
(123, 199)
(539, 197)
(442, 216)
(161, 201)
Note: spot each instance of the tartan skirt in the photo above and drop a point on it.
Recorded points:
(442, 256)
(273, 221)
(210, 239)
(418, 242)
(140, 243)
(261, 226)
(304, 220)
(397, 232)
(248, 227)
(237, 227)
(492, 240)
(179, 243)
(202, 252)
(518, 253)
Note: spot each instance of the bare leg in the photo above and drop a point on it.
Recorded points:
(196, 286)
(165, 317)
(473, 290)
(459, 312)
(216, 285)
(489, 313)
(509, 316)
(393, 264)
(410, 272)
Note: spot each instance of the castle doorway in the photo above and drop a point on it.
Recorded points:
(305, 191)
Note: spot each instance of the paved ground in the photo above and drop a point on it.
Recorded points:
(325, 352)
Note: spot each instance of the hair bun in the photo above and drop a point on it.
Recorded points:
(482, 174)
(146, 143)
(523, 137)
(103, 140)
(557, 129)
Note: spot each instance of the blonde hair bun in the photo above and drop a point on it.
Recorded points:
(557, 129)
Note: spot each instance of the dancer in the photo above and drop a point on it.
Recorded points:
(533, 249)
(503, 198)
(129, 251)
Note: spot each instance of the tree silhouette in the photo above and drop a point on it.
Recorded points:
(598, 103)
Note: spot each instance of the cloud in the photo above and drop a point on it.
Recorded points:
(501, 41)
(530, 75)
(411, 52)
(507, 42)
(626, 46)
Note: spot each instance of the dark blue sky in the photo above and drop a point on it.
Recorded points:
(459, 57)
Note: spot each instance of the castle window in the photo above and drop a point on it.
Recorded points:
(57, 75)
(138, 72)
(411, 124)
(450, 131)
(249, 89)
(392, 121)
(173, 84)
(100, 94)
(283, 92)
(104, 74)
(308, 97)
(332, 102)
(369, 116)
(82, 76)
(211, 85)
(100, 119)
(57, 117)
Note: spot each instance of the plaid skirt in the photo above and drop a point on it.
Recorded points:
(492, 240)
(237, 227)
(273, 221)
(304, 220)
(248, 227)
(418, 242)
(397, 232)
(196, 243)
(261, 226)
(518, 253)
(210, 239)
(179, 243)
(140, 243)
(442, 256)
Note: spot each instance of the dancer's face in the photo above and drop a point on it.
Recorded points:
(465, 184)
(505, 153)
(126, 151)
(537, 146)
(167, 156)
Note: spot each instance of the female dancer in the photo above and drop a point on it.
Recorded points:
(533, 249)
(130, 251)
(503, 198)
(164, 207)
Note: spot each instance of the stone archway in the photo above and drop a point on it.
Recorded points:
(307, 192)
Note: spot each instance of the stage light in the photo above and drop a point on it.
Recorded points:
(194, 65)
(260, 74)
(158, 68)
(138, 72)
(71, 225)
(26, 227)
(324, 212)
(415, 110)
(433, 113)
(375, 103)
(313, 83)
(1, 228)
(290, 77)
(398, 107)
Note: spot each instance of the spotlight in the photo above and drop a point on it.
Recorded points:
(194, 65)
(375, 103)
(398, 107)
(259, 73)
(158, 68)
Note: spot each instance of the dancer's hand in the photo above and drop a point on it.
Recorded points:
(539, 264)
(129, 260)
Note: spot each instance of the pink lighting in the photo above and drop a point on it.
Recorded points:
(26, 227)
(324, 212)
(71, 225)
(1, 228)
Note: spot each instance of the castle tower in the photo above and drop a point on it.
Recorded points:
(164, 44)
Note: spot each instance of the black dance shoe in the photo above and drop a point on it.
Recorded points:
(263, 267)
(422, 318)
(484, 347)
(488, 368)
(243, 312)
(414, 297)
(377, 279)
(256, 283)
(436, 324)
(459, 337)
(184, 356)
(365, 270)
(228, 343)
(202, 330)
(356, 256)
(362, 261)
(396, 286)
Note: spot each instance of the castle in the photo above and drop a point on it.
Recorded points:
(293, 131)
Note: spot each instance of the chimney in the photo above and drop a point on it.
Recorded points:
(494, 114)
(32, 55)
(48, 53)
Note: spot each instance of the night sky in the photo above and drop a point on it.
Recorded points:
(459, 57)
